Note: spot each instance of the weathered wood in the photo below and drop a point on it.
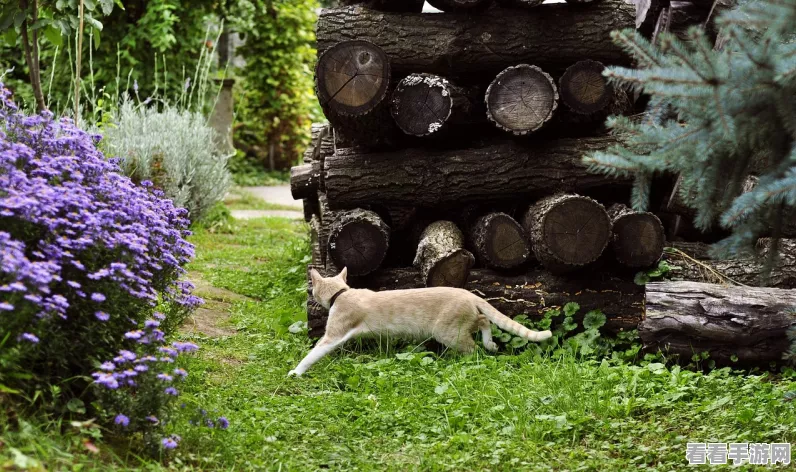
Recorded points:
(311, 207)
(647, 15)
(521, 99)
(735, 325)
(583, 88)
(692, 263)
(358, 240)
(441, 257)
(637, 238)
(305, 180)
(459, 5)
(499, 241)
(532, 293)
(429, 177)
(454, 45)
(424, 104)
(388, 5)
(318, 241)
(567, 231)
(520, 3)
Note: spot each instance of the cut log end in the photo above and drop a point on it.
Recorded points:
(638, 238)
(451, 270)
(521, 99)
(421, 104)
(500, 242)
(567, 231)
(358, 240)
(441, 256)
(352, 77)
(584, 89)
(304, 180)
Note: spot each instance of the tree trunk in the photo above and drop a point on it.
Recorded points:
(532, 293)
(441, 257)
(358, 239)
(424, 104)
(415, 6)
(637, 238)
(459, 5)
(429, 177)
(32, 54)
(691, 264)
(454, 45)
(584, 90)
(736, 325)
(567, 231)
(499, 241)
(521, 99)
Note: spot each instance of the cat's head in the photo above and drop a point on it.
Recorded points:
(324, 288)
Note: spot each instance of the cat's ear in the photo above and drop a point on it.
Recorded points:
(315, 276)
(344, 274)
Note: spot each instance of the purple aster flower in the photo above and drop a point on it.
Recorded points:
(5, 306)
(127, 355)
(134, 334)
(165, 377)
(223, 422)
(153, 419)
(108, 366)
(121, 420)
(180, 372)
(169, 443)
(151, 323)
(167, 360)
(135, 86)
(102, 316)
(185, 347)
(97, 297)
(159, 316)
(29, 337)
(171, 391)
(210, 424)
(168, 351)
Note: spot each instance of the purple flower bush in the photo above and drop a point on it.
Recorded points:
(90, 267)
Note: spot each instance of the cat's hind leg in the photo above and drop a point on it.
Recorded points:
(326, 345)
(486, 334)
(461, 341)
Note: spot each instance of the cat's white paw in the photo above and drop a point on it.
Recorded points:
(491, 346)
(294, 373)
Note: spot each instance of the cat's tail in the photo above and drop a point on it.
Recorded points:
(507, 324)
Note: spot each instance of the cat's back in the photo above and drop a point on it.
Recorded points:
(420, 296)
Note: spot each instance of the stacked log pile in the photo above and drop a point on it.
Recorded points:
(453, 153)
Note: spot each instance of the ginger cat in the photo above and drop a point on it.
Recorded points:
(449, 315)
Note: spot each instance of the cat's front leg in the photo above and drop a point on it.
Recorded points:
(322, 348)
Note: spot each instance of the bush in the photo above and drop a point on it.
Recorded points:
(86, 255)
(172, 148)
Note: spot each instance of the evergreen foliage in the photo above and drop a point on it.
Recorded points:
(716, 115)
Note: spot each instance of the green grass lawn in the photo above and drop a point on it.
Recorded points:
(397, 407)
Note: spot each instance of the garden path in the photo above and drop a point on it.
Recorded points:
(277, 199)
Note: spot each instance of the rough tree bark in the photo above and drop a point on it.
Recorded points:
(521, 99)
(424, 104)
(567, 231)
(499, 241)
(520, 3)
(305, 180)
(358, 240)
(459, 5)
(441, 257)
(429, 177)
(637, 238)
(736, 325)
(748, 271)
(389, 5)
(532, 293)
(552, 36)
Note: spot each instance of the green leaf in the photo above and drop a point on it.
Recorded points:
(60, 4)
(53, 35)
(76, 405)
(518, 342)
(641, 278)
(95, 38)
(7, 18)
(93, 22)
(89, 5)
(569, 324)
(571, 308)
(440, 389)
(10, 37)
(594, 319)
(107, 7)
(19, 18)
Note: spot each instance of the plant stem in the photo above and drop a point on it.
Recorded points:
(77, 71)
(32, 54)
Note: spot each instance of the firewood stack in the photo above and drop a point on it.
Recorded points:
(452, 154)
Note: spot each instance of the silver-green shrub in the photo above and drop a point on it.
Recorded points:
(174, 149)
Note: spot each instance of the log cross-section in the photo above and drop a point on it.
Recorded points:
(422, 104)
(499, 241)
(441, 257)
(358, 240)
(638, 237)
(352, 77)
(584, 90)
(521, 99)
(735, 325)
(567, 231)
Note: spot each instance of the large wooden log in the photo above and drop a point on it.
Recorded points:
(441, 257)
(459, 5)
(521, 99)
(520, 3)
(454, 45)
(389, 5)
(305, 180)
(567, 231)
(499, 241)
(583, 88)
(637, 238)
(358, 240)
(424, 104)
(735, 325)
(430, 177)
(692, 263)
(532, 293)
